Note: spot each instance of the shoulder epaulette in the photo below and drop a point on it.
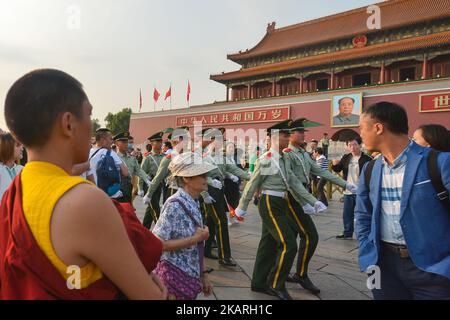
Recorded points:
(265, 155)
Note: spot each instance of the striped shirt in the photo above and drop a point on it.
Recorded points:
(391, 196)
(322, 162)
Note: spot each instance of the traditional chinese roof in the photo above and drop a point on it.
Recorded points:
(394, 14)
(404, 45)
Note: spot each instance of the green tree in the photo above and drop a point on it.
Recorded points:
(119, 122)
(95, 125)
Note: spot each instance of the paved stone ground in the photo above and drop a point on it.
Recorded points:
(333, 268)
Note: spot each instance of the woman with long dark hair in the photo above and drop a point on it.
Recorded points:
(433, 136)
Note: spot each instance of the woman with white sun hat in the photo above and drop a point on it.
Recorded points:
(182, 232)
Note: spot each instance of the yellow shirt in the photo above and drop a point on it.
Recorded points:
(43, 184)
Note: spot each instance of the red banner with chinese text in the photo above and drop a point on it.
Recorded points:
(236, 117)
(435, 102)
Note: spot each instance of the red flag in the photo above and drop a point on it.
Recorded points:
(140, 100)
(189, 91)
(168, 93)
(156, 95)
(234, 215)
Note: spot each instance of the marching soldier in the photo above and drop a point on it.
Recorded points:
(278, 246)
(134, 179)
(121, 141)
(179, 138)
(214, 200)
(150, 166)
(300, 210)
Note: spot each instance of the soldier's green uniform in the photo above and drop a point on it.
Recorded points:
(278, 247)
(134, 169)
(303, 167)
(163, 170)
(160, 177)
(215, 213)
(150, 166)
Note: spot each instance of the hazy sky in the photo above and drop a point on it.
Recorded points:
(122, 46)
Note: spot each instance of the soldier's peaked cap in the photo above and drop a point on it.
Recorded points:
(281, 127)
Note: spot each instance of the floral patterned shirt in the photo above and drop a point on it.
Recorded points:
(174, 223)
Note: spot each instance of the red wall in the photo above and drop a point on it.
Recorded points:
(315, 111)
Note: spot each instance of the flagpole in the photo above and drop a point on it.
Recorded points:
(171, 96)
(154, 101)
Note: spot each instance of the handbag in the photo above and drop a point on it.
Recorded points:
(179, 284)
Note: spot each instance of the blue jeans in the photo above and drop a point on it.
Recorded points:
(402, 280)
(349, 214)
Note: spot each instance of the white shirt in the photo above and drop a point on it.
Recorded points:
(98, 156)
(7, 175)
(353, 173)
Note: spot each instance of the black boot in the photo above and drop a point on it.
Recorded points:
(208, 254)
(344, 237)
(228, 262)
(305, 282)
(280, 294)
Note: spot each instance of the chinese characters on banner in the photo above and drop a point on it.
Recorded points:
(435, 102)
(236, 117)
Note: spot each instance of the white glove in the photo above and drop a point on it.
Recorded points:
(240, 212)
(351, 187)
(319, 207)
(148, 183)
(209, 200)
(147, 200)
(308, 209)
(233, 178)
(217, 184)
(140, 193)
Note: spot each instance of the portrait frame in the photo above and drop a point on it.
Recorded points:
(357, 111)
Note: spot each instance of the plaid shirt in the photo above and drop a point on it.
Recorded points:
(391, 195)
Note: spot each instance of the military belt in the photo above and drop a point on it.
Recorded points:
(279, 194)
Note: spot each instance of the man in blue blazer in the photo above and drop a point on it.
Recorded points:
(402, 227)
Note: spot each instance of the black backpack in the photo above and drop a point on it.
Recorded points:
(433, 171)
(108, 176)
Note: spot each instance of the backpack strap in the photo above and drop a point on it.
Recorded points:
(436, 179)
(95, 153)
(189, 213)
(368, 174)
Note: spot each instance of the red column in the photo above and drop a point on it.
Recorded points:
(383, 73)
(332, 80)
(301, 84)
(425, 67)
(274, 88)
(249, 91)
(228, 94)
